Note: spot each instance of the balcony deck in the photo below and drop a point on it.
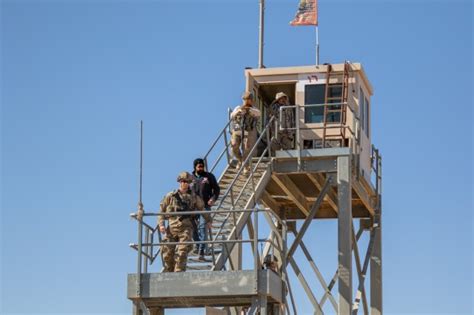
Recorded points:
(206, 288)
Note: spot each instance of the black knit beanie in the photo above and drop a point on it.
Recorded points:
(197, 161)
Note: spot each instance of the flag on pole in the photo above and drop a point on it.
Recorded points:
(307, 13)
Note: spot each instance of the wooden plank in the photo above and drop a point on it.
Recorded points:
(331, 196)
(270, 202)
(292, 190)
(362, 194)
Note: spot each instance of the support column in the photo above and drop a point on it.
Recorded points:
(376, 272)
(136, 309)
(236, 257)
(263, 304)
(376, 306)
(344, 196)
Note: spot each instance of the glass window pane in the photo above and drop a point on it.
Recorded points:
(362, 108)
(367, 121)
(335, 91)
(314, 94)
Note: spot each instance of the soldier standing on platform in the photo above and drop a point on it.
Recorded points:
(285, 132)
(180, 228)
(245, 118)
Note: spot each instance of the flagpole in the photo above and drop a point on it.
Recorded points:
(260, 37)
(317, 45)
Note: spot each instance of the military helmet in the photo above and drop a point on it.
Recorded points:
(280, 95)
(184, 176)
(269, 259)
(247, 95)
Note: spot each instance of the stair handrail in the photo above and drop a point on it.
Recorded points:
(240, 194)
(149, 255)
(252, 170)
(222, 134)
(249, 156)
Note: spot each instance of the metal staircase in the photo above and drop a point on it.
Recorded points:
(238, 193)
(294, 185)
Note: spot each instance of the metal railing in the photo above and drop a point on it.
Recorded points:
(146, 247)
(298, 122)
(250, 179)
(150, 245)
(354, 142)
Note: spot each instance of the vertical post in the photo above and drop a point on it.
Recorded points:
(263, 304)
(235, 255)
(147, 250)
(255, 243)
(260, 37)
(141, 161)
(344, 195)
(376, 257)
(298, 140)
(140, 226)
(317, 45)
(284, 272)
(226, 143)
(269, 144)
(376, 274)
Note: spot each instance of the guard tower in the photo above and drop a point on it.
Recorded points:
(332, 172)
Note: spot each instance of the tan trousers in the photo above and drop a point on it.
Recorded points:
(181, 232)
(250, 137)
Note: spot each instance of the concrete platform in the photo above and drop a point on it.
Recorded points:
(206, 288)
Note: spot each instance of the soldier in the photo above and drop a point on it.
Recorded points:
(244, 118)
(180, 228)
(285, 137)
(270, 262)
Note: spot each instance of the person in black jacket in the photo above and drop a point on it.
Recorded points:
(205, 185)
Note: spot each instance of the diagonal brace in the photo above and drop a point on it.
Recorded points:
(309, 219)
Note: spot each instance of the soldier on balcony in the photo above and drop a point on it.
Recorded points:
(180, 228)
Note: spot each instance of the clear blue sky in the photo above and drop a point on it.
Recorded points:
(77, 76)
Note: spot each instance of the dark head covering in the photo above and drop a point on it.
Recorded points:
(197, 161)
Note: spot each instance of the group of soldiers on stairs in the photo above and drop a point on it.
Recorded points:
(199, 190)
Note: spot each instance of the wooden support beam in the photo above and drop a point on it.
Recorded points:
(331, 197)
(270, 202)
(363, 196)
(293, 191)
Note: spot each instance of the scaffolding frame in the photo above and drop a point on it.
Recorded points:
(333, 174)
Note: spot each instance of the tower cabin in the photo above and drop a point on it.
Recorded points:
(331, 170)
(331, 104)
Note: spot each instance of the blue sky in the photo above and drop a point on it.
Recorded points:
(77, 77)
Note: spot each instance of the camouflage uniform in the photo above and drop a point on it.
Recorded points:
(180, 228)
(248, 117)
(285, 138)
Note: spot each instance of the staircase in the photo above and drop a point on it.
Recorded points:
(238, 191)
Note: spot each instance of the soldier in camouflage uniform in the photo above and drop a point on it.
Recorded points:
(244, 116)
(285, 138)
(180, 228)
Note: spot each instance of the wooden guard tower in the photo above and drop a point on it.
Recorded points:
(332, 172)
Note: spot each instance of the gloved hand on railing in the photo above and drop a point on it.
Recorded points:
(162, 229)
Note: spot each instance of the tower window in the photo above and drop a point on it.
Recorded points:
(314, 98)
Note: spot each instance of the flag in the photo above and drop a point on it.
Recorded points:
(307, 13)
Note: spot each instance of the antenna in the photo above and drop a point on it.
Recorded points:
(141, 162)
(260, 33)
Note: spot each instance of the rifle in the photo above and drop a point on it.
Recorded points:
(183, 207)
